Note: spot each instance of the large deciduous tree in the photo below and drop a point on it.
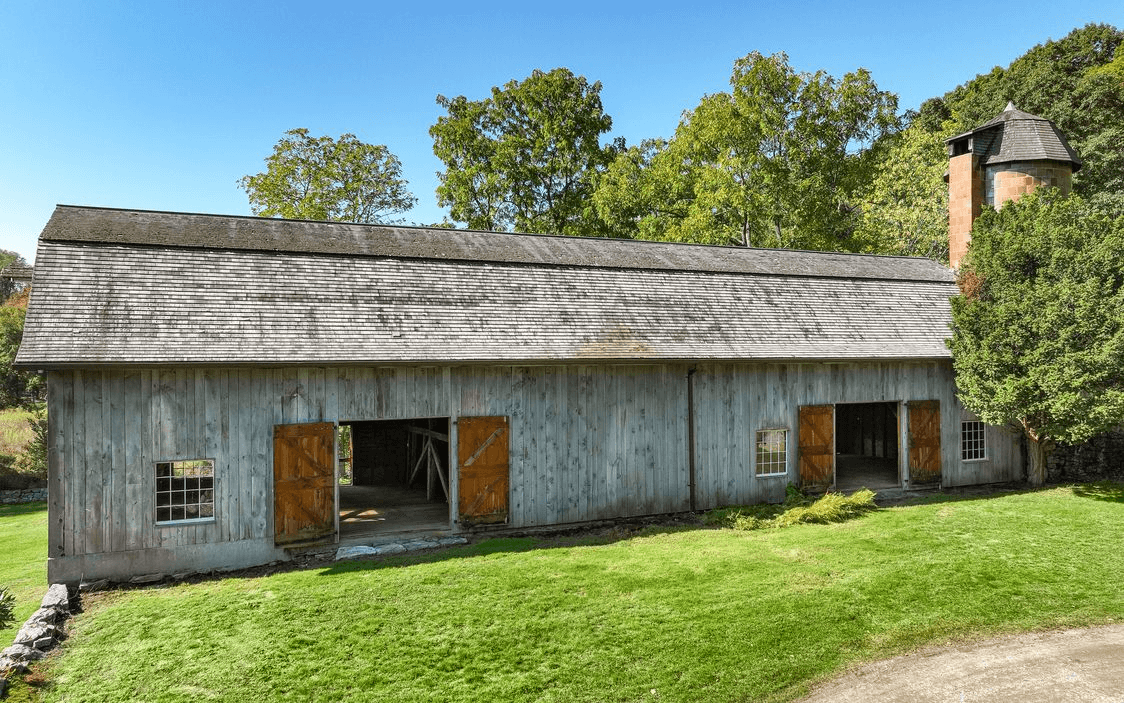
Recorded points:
(525, 158)
(777, 161)
(1038, 330)
(321, 178)
(905, 205)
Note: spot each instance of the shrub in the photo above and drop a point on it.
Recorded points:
(7, 604)
(832, 507)
(796, 509)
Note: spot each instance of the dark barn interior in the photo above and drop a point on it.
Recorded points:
(866, 446)
(399, 477)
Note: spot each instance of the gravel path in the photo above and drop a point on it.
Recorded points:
(1083, 665)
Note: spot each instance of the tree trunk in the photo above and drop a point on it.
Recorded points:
(1038, 451)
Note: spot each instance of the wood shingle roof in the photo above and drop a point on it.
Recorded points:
(1014, 135)
(143, 288)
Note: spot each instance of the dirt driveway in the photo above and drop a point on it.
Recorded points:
(1084, 665)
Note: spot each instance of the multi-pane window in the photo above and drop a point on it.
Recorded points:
(973, 440)
(771, 452)
(185, 490)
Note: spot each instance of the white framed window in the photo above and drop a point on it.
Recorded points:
(185, 491)
(973, 440)
(771, 452)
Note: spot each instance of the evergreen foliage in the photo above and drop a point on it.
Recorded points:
(1038, 330)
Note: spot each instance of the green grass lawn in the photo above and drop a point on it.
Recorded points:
(673, 615)
(23, 560)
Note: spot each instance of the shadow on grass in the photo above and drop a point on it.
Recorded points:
(514, 545)
(586, 535)
(8, 510)
(1110, 491)
(968, 493)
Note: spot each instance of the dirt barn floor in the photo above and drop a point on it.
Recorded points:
(1057, 666)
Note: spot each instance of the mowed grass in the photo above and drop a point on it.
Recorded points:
(23, 560)
(674, 615)
(15, 430)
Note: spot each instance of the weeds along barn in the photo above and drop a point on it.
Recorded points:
(210, 377)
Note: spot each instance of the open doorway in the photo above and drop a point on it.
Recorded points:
(866, 446)
(394, 476)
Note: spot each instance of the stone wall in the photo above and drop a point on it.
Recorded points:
(1098, 459)
(29, 495)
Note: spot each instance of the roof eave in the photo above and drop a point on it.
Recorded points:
(559, 361)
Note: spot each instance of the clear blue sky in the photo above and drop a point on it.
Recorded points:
(164, 105)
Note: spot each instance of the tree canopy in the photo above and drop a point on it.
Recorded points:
(1077, 82)
(16, 386)
(904, 207)
(1038, 330)
(776, 161)
(321, 178)
(526, 157)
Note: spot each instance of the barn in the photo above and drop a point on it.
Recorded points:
(211, 378)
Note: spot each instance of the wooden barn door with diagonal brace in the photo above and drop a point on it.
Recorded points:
(482, 462)
(816, 446)
(304, 483)
(924, 442)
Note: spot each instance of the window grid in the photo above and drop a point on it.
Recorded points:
(185, 490)
(973, 442)
(772, 452)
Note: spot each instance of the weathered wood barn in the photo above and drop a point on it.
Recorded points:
(200, 368)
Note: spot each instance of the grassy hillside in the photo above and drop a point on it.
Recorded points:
(15, 430)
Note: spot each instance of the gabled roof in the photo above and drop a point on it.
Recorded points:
(154, 288)
(1014, 135)
(17, 271)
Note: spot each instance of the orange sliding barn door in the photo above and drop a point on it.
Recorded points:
(304, 483)
(817, 446)
(924, 441)
(483, 463)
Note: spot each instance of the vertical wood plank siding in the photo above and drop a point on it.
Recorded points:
(587, 441)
